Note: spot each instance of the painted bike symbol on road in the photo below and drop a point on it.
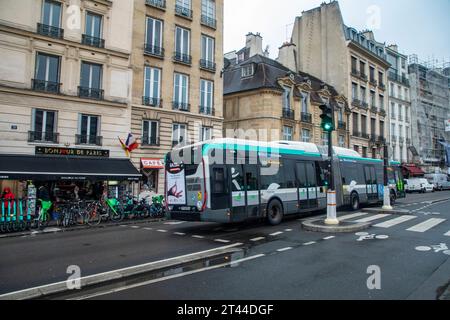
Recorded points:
(437, 248)
(367, 236)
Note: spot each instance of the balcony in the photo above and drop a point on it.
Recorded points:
(381, 140)
(89, 140)
(306, 117)
(356, 102)
(152, 102)
(373, 82)
(45, 86)
(394, 139)
(356, 134)
(381, 86)
(152, 50)
(183, 12)
(393, 116)
(207, 65)
(408, 141)
(365, 135)
(160, 4)
(90, 93)
(342, 125)
(50, 31)
(363, 77)
(398, 78)
(364, 105)
(45, 137)
(209, 111)
(208, 21)
(407, 120)
(382, 112)
(181, 106)
(151, 141)
(355, 73)
(374, 109)
(401, 140)
(92, 41)
(182, 58)
(288, 114)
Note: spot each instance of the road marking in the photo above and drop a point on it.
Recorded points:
(284, 249)
(135, 227)
(222, 241)
(288, 230)
(351, 216)
(329, 238)
(372, 218)
(309, 243)
(198, 237)
(148, 229)
(231, 263)
(174, 223)
(447, 234)
(160, 230)
(427, 225)
(109, 275)
(394, 222)
(276, 234)
(123, 226)
(257, 239)
(179, 233)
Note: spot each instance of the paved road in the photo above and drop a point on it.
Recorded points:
(282, 262)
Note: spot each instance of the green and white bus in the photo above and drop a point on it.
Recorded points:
(230, 180)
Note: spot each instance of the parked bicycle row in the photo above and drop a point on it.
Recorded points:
(18, 215)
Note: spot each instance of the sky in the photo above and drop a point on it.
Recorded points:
(419, 27)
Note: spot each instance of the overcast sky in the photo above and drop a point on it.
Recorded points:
(417, 26)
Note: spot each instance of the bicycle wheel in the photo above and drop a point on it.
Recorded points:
(93, 215)
(43, 220)
(115, 215)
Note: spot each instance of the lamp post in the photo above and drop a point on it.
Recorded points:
(387, 192)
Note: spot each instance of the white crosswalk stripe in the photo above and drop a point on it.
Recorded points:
(394, 222)
(276, 234)
(373, 218)
(351, 216)
(447, 234)
(427, 225)
(257, 239)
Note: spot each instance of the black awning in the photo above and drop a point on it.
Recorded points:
(22, 167)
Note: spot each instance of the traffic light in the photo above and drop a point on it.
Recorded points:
(327, 117)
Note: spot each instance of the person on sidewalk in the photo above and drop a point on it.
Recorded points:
(8, 197)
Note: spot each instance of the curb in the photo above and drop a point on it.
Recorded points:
(115, 275)
(56, 229)
(345, 227)
(400, 212)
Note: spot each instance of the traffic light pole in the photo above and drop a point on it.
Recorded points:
(331, 193)
(387, 192)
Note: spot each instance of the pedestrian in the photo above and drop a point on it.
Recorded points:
(8, 197)
(43, 193)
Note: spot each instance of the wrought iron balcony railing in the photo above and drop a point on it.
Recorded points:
(183, 11)
(92, 41)
(90, 93)
(364, 105)
(356, 134)
(208, 21)
(355, 73)
(365, 135)
(46, 86)
(306, 117)
(356, 102)
(40, 136)
(151, 102)
(209, 111)
(208, 65)
(160, 4)
(153, 50)
(181, 106)
(381, 85)
(85, 139)
(182, 58)
(50, 31)
(288, 114)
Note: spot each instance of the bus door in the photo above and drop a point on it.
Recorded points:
(252, 190)
(371, 182)
(307, 185)
(220, 190)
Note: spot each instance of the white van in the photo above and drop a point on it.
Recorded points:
(418, 185)
(440, 181)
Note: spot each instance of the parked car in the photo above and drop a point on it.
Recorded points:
(440, 181)
(418, 185)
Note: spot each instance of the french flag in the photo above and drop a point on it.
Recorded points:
(131, 143)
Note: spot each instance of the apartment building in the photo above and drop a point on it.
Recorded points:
(266, 100)
(177, 82)
(65, 86)
(354, 63)
(399, 103)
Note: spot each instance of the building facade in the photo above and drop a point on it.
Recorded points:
(351, 61)
(177, 81)
(430, 103)
(65, 77)
(264, 100)
(399, 105)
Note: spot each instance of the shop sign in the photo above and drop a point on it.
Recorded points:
(152, 163)
(72, 152)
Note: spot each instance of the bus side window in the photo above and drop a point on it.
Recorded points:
(219, 180)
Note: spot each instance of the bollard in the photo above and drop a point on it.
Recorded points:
(331, 209)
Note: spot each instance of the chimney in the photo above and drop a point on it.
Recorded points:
(286, 56)
(393, 47)
(254, 43)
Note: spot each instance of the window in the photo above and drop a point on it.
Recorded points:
(182, 44)
(341, 141)
(373, 126)
(362, 68)
(91, 81)
(305, 99)
(306, 135)
(382, 129)
(183, 7)
(355, 122)
(51, 13)
(88, 131)
(372, 99)
(46, 73)
(287, 98)
(393, 130)
(372, 74)
(206, 96)
(400, 131)
(393, 113)
(150, 136)
(179, 133)
(181, 91)
(340, 113)
(219, 180)
(324, 138)
(209, 13)
(43, 126)
(152, 86)
(205, 134)
(403, 63)
(399, 92)
(354, 62)
(392, 90)
(381, 78)
(381, 102)
(287, 133)
(154, 37)
(363, 124)
(237, 182)
(354, 91)
(247, 71)
(363, 94)
(356, 148)
(93, 25)
(208, 51)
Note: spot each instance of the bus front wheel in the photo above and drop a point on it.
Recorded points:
(354, 201)
(275, 212)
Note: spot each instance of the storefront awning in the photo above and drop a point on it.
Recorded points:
(43, 168)
(414, 171)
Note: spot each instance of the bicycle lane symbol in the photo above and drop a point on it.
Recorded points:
(436, 248)
(367, 236)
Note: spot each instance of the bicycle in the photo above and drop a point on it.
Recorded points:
(157, 207)
(43, 217)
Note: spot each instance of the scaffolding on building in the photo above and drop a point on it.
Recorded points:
(430, 107)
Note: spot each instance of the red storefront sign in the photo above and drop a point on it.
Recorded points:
(152, 163)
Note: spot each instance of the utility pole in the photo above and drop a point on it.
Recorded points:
(387, 191)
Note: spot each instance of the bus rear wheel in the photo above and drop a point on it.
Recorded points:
(275, 212)
(354, 201)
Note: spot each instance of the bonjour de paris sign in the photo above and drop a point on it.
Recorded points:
(72, 152)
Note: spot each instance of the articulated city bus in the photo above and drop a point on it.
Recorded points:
(229, 180)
